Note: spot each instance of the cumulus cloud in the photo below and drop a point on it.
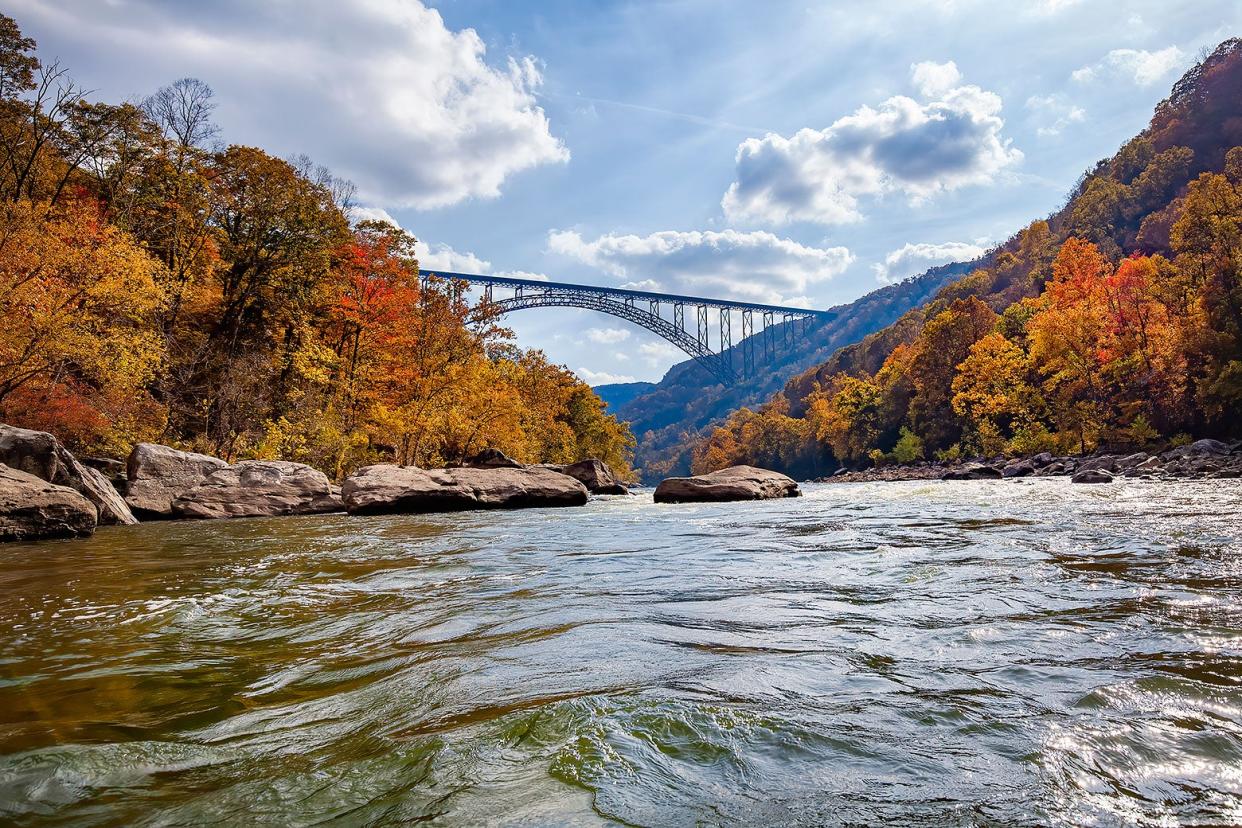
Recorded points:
(1053, 113)
(594, 378)
(902, 146)
(935, 79)
(443, 257)
(753, 266)
(607, 336)
(911, 259)
(1138, 65)
(382, 92)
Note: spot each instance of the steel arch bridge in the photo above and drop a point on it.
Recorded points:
(646, 309)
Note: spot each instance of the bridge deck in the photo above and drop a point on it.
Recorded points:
(646, 295)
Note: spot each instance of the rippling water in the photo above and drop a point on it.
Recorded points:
(967, 653)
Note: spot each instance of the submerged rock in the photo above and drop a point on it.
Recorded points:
(32, 508)
(596, 476)
(42, 455)
(158, 475)
(259, 488)
(388, 489)
(734, 483)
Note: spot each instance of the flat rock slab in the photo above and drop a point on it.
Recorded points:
(42, 455)
(31, 508)
(158, 475)
(259, 488)
(734, 483)
(386, 489)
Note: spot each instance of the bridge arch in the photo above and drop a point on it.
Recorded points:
(624, 304)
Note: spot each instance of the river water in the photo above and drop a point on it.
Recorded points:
(966, 653)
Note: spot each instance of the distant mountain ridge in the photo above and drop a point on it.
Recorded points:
(688, 398)
(617, 394)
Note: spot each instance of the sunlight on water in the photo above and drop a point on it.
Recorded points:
(1018, 652)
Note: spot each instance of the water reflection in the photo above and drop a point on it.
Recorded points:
(1021, 652)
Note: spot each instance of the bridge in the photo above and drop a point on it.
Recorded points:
(646, 309)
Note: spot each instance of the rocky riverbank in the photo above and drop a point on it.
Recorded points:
(1199, 460)
(46, 492)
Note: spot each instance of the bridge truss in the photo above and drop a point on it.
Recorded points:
(648, 310)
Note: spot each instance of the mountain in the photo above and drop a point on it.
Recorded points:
(617, 394)
(688, 398)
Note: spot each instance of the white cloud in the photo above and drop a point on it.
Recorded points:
(753, 266)
(359, 213)
(911, 259)
(1053, 113)
(935, 79)
(916, 149)
(659, 354)
(1139, 65)
(382, 91)
(1050, 7)
(443, 257)
(594, 378)
(643, 284)
(607, 336)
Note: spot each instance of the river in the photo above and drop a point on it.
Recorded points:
(965, 653)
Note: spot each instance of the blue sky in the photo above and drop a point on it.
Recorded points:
(793, 152)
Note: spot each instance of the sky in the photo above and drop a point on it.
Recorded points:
(800, 153)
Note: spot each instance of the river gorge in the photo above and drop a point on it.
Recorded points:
(1011, 652)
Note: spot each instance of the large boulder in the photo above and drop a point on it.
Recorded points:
(972, 471)
(158, 475)
(1018, 468)
(490, 458)
(259, 488)
(1092, 476)
(385, 489)
(596, 476)
(41, 454)
(733, 483)
(31, 508)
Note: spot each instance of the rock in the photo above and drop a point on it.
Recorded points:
(1130, 461)
(158, 475)
(1208, 447)
(1042, 459)
(41, 454)
(1054, 468)
(114, 470)
(1105, 462)
(1018, 468)
(32, 508)
(734, 483)
(972, 471)
(490, 458)
(1228, 474)
(259, 488)
(1093, 476)
(596, 476)
(384, 489)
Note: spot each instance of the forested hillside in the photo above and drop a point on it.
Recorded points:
(156, 284)
(667, 416)
(1117, 321)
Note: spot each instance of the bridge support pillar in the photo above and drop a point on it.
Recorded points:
(748, 343)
